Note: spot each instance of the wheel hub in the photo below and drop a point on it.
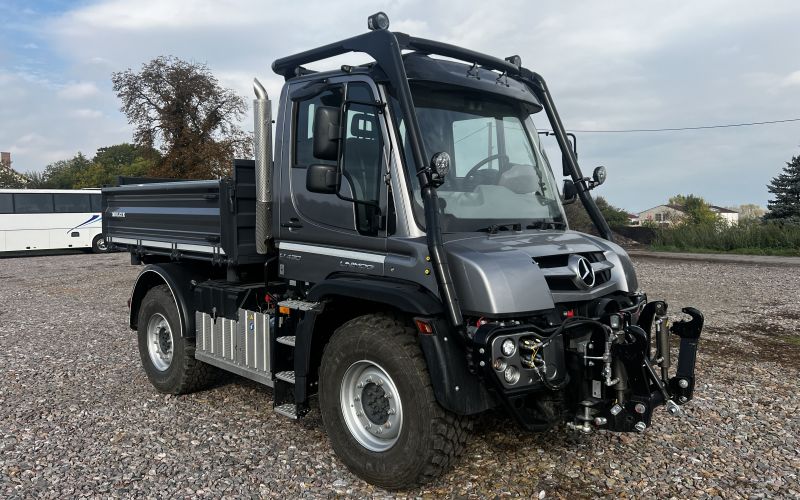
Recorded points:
(159, 342)
(375, 403)
(371, 406)
(164, 340)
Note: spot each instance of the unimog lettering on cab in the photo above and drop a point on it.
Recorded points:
(403, 256)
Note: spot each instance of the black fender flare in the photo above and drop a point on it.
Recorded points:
(179, 281)
(455, 388)
(405, 296)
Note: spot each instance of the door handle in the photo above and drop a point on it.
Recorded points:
(292, 224)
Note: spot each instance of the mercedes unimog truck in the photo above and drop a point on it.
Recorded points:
(401, 260)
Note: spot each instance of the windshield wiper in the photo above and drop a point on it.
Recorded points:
(517, 226)
(510, 226)
(547, 224)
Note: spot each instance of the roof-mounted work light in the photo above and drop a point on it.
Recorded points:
(515, 60)
(378, 21)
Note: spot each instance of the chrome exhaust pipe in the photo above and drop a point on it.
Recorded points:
(262, 137)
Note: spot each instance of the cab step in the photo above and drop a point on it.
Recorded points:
(288, 410)
(286, 340)
(287, 376)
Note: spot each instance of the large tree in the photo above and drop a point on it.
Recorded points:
(785, 206)
(180, 108)
(696, 209)
(749, 212)
(112, 161)
(63, 174)
(579, 219)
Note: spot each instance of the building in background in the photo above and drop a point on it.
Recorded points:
(661, 214)
(670, 214)
(726, 214)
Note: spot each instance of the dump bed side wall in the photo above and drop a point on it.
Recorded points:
(213, 220)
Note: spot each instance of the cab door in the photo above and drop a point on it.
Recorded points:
(343, 232)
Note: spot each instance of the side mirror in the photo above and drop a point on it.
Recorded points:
(570, 192)
(322, 179)
(598, 176)
(566, 171)
(327, 133)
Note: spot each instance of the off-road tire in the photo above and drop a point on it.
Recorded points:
(185, 374)
(430, 439)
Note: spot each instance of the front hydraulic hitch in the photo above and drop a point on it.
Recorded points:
(681, 386)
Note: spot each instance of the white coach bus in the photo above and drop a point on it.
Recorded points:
(50, 219)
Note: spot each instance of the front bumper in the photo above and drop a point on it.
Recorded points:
(609, 372)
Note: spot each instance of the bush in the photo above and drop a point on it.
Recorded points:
(746, 238)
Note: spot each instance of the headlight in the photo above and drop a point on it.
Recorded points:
(508, 347)
(499, 364)
(511, 375)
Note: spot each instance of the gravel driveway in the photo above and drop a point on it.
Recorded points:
(78, 416)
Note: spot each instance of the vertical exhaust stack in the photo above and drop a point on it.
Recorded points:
(262, 134)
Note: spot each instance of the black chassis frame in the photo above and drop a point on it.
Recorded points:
(386, 47)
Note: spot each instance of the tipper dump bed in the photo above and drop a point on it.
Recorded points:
(211, 220)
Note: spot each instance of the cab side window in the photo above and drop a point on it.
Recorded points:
(362, 157)
(304, 132)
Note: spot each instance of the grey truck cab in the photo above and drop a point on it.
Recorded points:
(404, 259)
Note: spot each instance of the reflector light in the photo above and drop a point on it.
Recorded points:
(424, 327)
(570, 313)
(283, 310)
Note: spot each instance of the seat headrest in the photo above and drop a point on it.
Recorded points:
(363, 126)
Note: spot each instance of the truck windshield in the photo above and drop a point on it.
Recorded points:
(497, 175)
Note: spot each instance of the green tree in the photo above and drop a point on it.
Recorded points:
(579, 219)
(785, 207)
(36, 180)
(696, 209)
(181, 109)
(112, 161)
(749, 212)
(614, 216)
(64, 174)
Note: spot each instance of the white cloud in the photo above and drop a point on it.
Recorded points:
(791, 79)
(628, 64)
(80, 90)
(86, 113)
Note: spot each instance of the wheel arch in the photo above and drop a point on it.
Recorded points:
(179, 282)
(345, 298)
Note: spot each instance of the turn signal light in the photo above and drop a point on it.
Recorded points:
(283, 310)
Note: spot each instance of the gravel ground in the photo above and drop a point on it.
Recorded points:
(78, 416)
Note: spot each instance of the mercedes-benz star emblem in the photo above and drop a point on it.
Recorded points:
(584, 273)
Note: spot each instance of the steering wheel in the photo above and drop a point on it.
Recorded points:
(483, 162)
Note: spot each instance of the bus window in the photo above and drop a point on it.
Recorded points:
(96, 203)
(72, 203)
(33, 203)
(6, 203)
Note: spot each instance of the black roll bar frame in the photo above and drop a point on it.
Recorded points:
(386, 47)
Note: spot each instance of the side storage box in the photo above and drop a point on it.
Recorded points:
(241, 346)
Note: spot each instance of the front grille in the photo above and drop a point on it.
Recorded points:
(561, 278)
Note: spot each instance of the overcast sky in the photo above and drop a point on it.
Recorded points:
(610, 65)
